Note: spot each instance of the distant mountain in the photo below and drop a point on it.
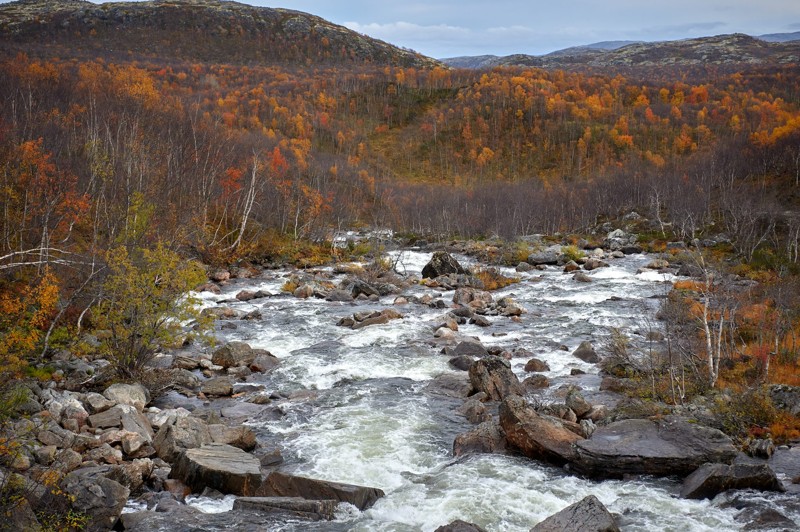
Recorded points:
(196, 30)
(732, 49)
(780, 37)
(470, 61)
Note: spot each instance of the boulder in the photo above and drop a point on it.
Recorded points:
(449, 385)
(234, 354)
(536, 382)
(669, 446)
(295, 507)
(100, 498)
(97, 403)
(711, 479)
(487, 437)
(264, 361)
(786, 398)
(537, 365)
(441, 263)
(474, 410)
(593, 264)
(279, 484)
(571, 266)
(240, 436)
(586, 515)
(359, 287)
(578, 404)
(549, 255)
(218, 386)
(218, 466)
(465, 296)
(219, 276)
(586, 352)
(618, 240)
(581, 277)
(657, 264)
(460, 526)
(180, 434)
(539, 437)
(126, 416)
(461, 362)
(493, 376)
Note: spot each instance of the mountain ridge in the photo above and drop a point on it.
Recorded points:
(204, 30)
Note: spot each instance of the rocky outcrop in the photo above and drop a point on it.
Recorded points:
(493, 376)
(442, 263)
(218, 466)
(586, 515)
(279, 484)
(670, 446)
(540, 437)
(712, 479)
(549, 255)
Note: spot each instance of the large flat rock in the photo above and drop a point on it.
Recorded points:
(712, 479)
(279, 484)
(671, 446)
(222, 467)
(537, 436)
(293, 506)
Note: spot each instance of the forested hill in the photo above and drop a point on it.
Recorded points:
(195, 30)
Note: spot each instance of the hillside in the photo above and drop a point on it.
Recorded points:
(194, 30)
(728, 50)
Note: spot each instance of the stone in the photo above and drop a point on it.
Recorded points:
(536, 382)
(578, 404)
(539, 437)
(475, 411)
(470, 348)
(220, 467)
(233, 354)
(460, 526)
(217, 386)
(126, 416)
(441, 263)
(493, 376)
(571, 266)
(586, 515)
(487, 437)
(461, 362)
(219, 276)
(466, 295)
(593, 264)
(537, 365)
(303, 292)
(295, 507)
(657, 264)
(549, 255)
(786, 398)
(712, 479)
(240, 436)
(264, 362)
(278, 484)
(669, 446)
(586, 352)
(134, 395)
(581, 277)
(450, 385)
(179, 435)
(100, 498)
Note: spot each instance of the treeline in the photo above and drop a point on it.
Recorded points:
(229, 156)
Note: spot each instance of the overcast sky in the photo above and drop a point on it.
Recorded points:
(446, 28)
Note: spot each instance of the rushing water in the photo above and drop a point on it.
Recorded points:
(360, 413)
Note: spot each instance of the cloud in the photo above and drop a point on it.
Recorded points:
(685, 29)
(407, 31)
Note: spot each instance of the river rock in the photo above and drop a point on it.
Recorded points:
(586, 515)
(712, 479)
(135, 395)
(465, 296)
(586, 352)
(279, 484)
(618, 240)
(441, 263)
(96, 402)
(670, 446)
(571, 266)
(493, 376)
(536, 382)
(100, 498)
(295, 507)
(549, 255)
(234, 354)
(450, 385)
(581, 277)
(460, 526)
(219, 276)
(487, 437)
(578, 404)
(786, 398)
(180, 434)
(657, 264)
(217, 386)
(537, 365)
(126, 416)
(461, 362)
(471, 348)
(240, 436)
(539, 437)
(218, 466)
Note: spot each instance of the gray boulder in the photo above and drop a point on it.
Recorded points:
(711, 479)
(233, 354)
(218, 386)
(670, 446)
(218, 466)
(178, 435)
(549, 255)
(537, 365)
(460, 526)
(279, 484)
(441, 263)
(239, 436)
(101, 498)
(586, 352)
(586, 515)
(134, 395)
(493, 376)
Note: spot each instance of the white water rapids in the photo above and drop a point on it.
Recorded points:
(363, 417)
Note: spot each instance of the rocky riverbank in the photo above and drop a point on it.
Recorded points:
(119, 448)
